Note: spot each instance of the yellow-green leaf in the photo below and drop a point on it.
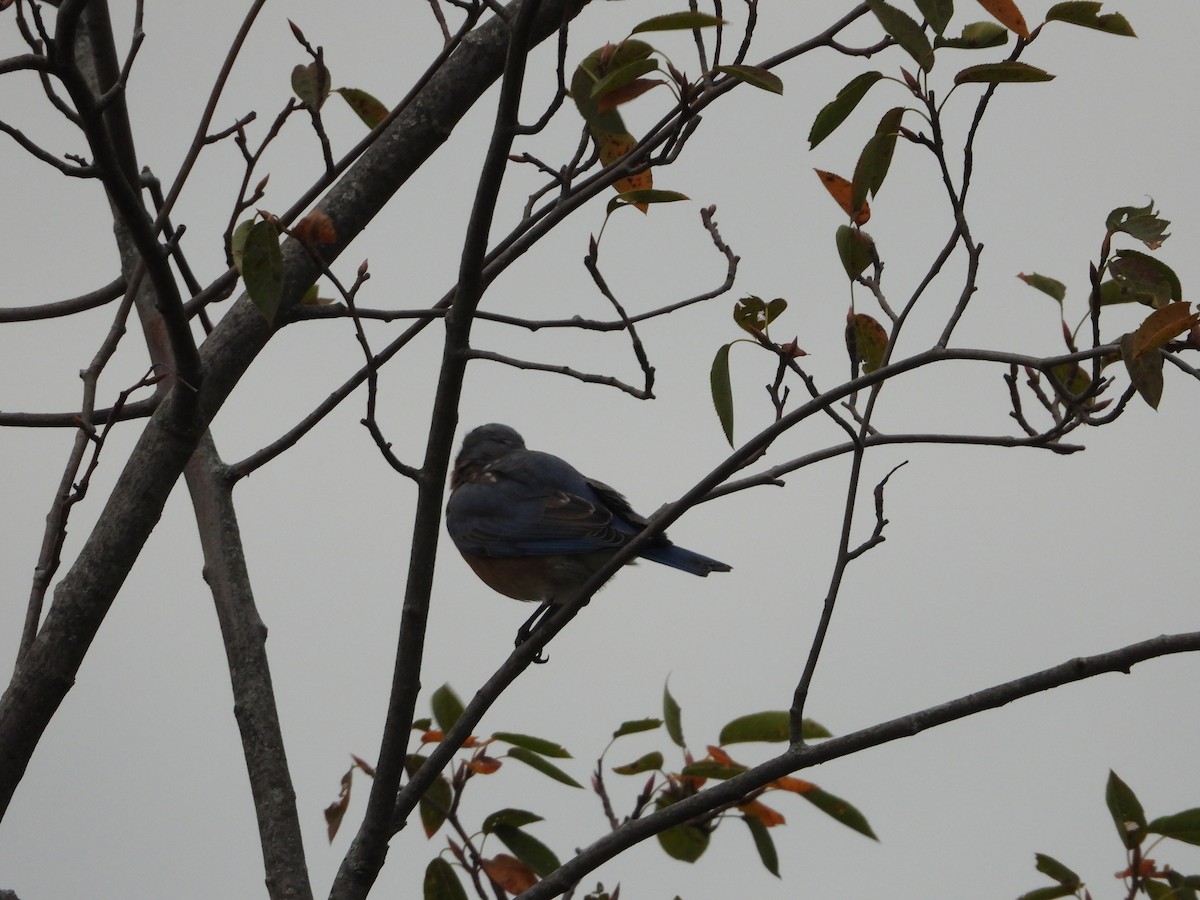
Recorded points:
(365, 106)
(1010, 72)
(677, 21)
(1087, 14)
(756, 76)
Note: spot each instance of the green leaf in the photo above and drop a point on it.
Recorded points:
(1046, 285)
(866, 340)
(834, 112)
(906, 32)
(874, 162)
(527, 849)
(441, 883)
(1048, 865)
(677, 21)
(976, 36)
(1141, 223)
(686, 842)
(1146, 374)
(237, 242)
(764, 844)
(311, 85)
(722, 397)
(1087, 14)
(672, 714)
(1010, 72)
(644, 195)
(422, 724)
(365, 106)
(262, 268)
(855, 249)
(1145, 279)
(1123, 804)
(813, 731)
(840, 810)
(591, 70)
(617, 78)
(536, 744)
(771, 726)
(1048, 893)
(514, 818)
(542, 765)
(651, 762)
(937, 13)
(1074, 379)
(710, 768)
(1183, 826)
(435, 802)
(637, 725)
(446, 706)
(755, 76)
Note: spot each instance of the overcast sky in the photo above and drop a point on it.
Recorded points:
(997, 562)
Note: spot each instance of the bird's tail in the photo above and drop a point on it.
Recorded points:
(685, 560)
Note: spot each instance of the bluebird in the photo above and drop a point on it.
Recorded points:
(532, 527)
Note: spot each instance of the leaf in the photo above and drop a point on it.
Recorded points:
(677, 21)
(976, 36)
(836, 111)
(1146, 374)
(651, 762)
(1048, 865)
(855, 249)
(771, 726)
(842, 191)
(813, 731)
(1087, 14)
(542, 765)
(441, 883)
(1007, 14)
(1011, 72)
(722, 397)
(1183, 826)
(673, 715)
(756, 809)
(514, 818)
(335, 812)
(686, 842)
(618, 78)
(937, 13)
(446, 706)
(614, 98)
(435, 802)
(1048, 893)
(1074, 379)
(753, 314)
(764, 844)
(314, 229)
(866, 340)
(237, 242)
(872, 167)
(1123, 804)
(643, 198)
(755, 76)
(1161, 327)
(262, 268)
(509, 872)
(311, 84)
(365, 106)
(1046, 285)
(906, 32)
(840, 810)
(528, 849)
(536, 744)
(1141, 223)
(1145, 279)
(635, 726)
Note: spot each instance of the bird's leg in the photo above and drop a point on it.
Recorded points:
(525, 632)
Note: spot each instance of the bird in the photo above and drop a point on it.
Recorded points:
(534, 528)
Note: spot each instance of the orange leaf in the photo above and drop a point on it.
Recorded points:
(611, 147)
(432, 737)
(315, 228)
(484, 765)
(510, 873)
(795, 785)
(1006, 13)
(716, 754)
(762, 812)
(1162, 326)
(843, 192)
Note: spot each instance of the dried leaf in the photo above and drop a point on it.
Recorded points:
(1007, 14)
(509, 872)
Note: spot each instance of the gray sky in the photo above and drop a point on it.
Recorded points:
(997, 563)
